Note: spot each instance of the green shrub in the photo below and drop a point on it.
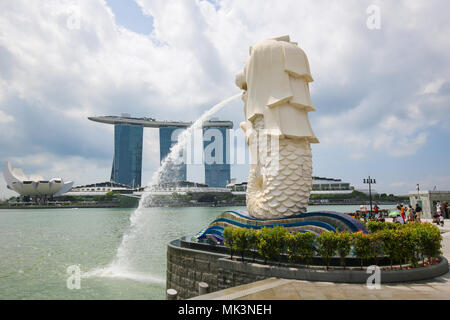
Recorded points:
(376, 246)
(375, 226)
(229, 239)
(300, 245)
(240, 240)
(391, 245)
(361, 246)
(272, 242)
(431, 241)
(411, 243)
(394, 226)
(252, 241)
(326, 246)
(343, 245)
(281, 235)
(267, 244)
(421, 244)
(305, 245)
(291, 247)
(400, 243)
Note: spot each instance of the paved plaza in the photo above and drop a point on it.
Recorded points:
(284, 289)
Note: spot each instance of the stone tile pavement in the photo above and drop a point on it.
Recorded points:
(283, 289)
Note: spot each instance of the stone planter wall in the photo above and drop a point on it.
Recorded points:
(186, 267)
(237, 268)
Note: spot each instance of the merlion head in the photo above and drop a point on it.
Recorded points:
(275, 73)
(241, 80)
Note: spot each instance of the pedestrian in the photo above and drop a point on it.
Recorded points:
(400, 219)
(437, 214)
(410, 213)
(418, 213)
(441, 214)
(446, 210)
(363, 211)
(379, 216)
(402, 212)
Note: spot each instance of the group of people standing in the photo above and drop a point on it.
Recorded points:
(408, 214)
(364, 213)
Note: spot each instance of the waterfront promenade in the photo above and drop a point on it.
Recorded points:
(284, 289)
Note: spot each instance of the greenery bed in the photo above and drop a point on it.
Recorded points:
(398, 244)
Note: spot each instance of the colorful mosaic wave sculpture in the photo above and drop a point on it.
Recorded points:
(316, 222)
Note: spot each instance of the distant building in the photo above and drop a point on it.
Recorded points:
(321, 185)
(127, 161)
(237, 186)
(218, 174)
(99, 189)
(330, 185)
(180, 184)
(36, 187)
(179, 171)
(128, 133)
(428, 200)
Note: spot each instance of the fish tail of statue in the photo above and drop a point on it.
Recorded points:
(280, 177)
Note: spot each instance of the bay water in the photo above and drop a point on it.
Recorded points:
(37, 246)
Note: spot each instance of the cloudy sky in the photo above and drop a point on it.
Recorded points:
(382, 94)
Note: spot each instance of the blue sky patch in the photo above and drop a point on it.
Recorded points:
(129, 15)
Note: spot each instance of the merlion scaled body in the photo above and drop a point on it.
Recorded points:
(275, 81)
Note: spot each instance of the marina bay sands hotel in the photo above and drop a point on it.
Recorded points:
(128, 138)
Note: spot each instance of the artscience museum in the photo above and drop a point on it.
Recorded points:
(33, 186)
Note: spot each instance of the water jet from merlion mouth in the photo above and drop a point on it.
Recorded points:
(122, 265)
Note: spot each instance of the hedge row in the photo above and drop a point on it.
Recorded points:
(406, 244)
(375, 226)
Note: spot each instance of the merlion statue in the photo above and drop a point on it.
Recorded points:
(275, 81)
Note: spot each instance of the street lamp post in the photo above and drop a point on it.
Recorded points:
(418, 193)
(370, 181)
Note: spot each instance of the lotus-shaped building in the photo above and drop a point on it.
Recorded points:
(33, 186)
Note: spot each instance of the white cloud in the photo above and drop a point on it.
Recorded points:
(397, 184)
(377, 90)
(433, 87)
(4, 118)
(427, 182)
(68, 168)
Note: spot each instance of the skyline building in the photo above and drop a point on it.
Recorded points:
(166, 141)
(128, 140)
(218, 172)
(34, 186)
(127, 160)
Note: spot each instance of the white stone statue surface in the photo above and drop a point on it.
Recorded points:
(275, 81)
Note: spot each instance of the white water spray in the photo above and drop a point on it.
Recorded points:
(121, 266)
